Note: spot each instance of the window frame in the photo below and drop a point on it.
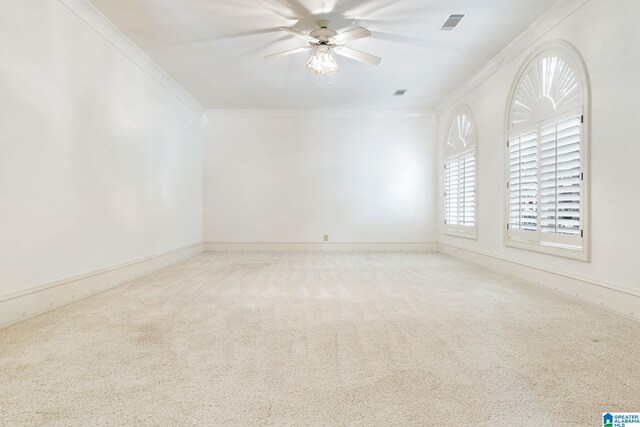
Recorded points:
(457, 230)
(552, 243)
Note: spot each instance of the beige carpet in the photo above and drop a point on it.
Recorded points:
(320, 339)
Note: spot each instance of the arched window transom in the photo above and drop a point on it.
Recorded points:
(548, 86)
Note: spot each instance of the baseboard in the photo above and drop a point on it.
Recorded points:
(620, 300)
(319, 247)
(22, 305)
(31, 302)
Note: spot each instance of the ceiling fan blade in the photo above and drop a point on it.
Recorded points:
(357, 55)
(299, 34)
(289, 52)
(351, 35)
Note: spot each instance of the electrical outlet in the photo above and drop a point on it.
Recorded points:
(326, 237)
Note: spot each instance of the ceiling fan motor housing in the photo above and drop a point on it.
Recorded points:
(323, 33)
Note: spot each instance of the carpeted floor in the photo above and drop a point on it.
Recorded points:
(320, 339)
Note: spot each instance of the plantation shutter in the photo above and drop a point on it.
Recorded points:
(460, 191)
(560, 177)
(452, 187)
(523, 182)
(469, 190)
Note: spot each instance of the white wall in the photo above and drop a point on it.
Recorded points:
(100, 160)
(294, 177)
(607, 36)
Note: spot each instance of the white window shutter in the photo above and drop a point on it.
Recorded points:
(469, 190)
(523, 182)
(560, 176)
(452, 192)
(460, 191)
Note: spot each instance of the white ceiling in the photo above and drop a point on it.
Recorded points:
(215, 48)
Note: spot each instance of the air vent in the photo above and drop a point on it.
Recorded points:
(452, 22)
(400, 92)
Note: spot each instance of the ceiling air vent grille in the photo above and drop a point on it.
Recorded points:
(400, 92)
(452, 22)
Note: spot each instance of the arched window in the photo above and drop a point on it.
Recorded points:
(460, 196)
(547, 154)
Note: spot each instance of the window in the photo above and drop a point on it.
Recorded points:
(547, 155)
(460, 195)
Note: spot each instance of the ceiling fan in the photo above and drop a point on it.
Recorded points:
(325, 42)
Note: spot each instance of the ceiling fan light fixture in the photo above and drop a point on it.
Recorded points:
(326, 43)
(322, 62)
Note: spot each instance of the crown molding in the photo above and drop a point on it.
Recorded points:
(540, 27)
(428, 114)
(99, 23)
